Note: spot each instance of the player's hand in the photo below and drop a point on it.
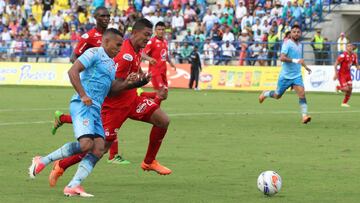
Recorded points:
(152, 61)
(308, 70)
(174, 67)
(162, 93)
(132, 77)
(86, 100)
(302, 62)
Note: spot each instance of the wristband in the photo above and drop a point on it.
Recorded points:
(139, 83)
(295, 60)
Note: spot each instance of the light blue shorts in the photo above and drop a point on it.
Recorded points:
(283, 84)
(86, 119)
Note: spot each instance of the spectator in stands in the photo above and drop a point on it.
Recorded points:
(240, 11)
(177, 23)
(243, 41)
(210, 49)
(327, 52)
(257, 35)
(37, 11)
(3, 50)
(229, 9)
(263, 55)
(228, 52)
(200, 35)
(277, 10)
(265, 28)
(47, 4)
(168, 17)
(57, 20)
(5, 35)
(308, 15)
(272, 47)
(297, 12)
(147, 8)
(112, 24)
(318, 46)
(256, 26)
(254, 52)
(175, 51)
(34, 27)
(248, 19)
(185, 52)
(218, 11)
(216, 33)
(228, 35)
(38, 47)
(189, 38)
(341, 43)
(208, 21)
(200, 11)
(74, 22)
(17, 48)
(189, 14)
(226, 19)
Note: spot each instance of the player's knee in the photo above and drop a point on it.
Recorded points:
(277, 96)
(86, 145)
(164, 122)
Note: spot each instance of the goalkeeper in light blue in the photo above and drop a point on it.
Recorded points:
(290, 75)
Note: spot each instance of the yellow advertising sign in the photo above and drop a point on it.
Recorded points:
(54, 74)
(239, 77)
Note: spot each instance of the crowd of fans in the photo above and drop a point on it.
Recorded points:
(247, 30)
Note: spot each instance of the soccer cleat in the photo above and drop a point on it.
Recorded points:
(306, 119)
(55, 173)
(57, 122)
(345, 105)
(118, 160)
(155, 166)
(139, 91)
(75, 191)
(36, 167)
(262, 97)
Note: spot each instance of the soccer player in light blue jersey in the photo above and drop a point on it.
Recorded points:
(93, 77)
(290, 75)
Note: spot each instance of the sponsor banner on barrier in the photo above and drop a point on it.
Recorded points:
(321, 79)
(239, 77)
(55, 74)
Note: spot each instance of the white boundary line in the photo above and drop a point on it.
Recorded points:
(204, 114)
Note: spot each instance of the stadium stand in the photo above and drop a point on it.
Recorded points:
(229, 31)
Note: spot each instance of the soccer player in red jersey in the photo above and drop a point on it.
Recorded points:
(346, 60)
(117, 109)
(156, 52)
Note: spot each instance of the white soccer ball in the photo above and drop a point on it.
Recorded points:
(269, 183)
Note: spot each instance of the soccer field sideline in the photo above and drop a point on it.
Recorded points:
(179, 114)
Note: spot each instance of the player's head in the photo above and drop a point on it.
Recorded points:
(141, 33)
(295, 32)
(349, 48)
(111, 41)
(160, 29)
(102, 17)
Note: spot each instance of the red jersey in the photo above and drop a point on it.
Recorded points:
(127, 61)
(88, 40)
(157, 49)
(346, 61)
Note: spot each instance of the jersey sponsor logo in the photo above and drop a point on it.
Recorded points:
(98, 42)
(319, 78)
(149, 42)
(85, 36)
(86, 122)
(163, 54)
(96, 34)
(128, 57)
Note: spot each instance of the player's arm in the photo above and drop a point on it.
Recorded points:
(285, 58)
(170, 62)
(336, 75)
(146, 57)
(80, 47)
(132, 81)
(74, 76)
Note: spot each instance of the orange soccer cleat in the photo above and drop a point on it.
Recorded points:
(55, 173)
(157, 167)
(262, 97)
(306, 119)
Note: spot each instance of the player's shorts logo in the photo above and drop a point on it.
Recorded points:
(141, 108)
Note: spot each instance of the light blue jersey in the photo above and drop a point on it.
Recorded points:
(96, 80)
(98, 75)
(293, 51)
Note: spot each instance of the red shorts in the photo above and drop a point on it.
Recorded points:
(345, 80)
(113, 118)
(159, 81)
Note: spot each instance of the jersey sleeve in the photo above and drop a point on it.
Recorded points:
(341, 58)
(88, 58)
(285, 48)
(355, 59)
(82, 44)
(148, 47)
(123, 62)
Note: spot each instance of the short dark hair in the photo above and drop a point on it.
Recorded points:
(98, 9)
(142, 23)
(113, 31)
(160, 23)
(296, 26)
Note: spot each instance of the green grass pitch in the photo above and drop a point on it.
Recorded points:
(217, 144)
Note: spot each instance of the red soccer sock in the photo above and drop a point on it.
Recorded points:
(151, 95)
(156, 136)
(114, 149)
(65, 118)
(72, 160)
(347, 97)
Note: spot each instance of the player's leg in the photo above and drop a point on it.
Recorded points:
(300, 91)
(85, 167)
(148, 111)
(282, 86)
(346, 84)
(160, 86)
(112, 121)
(60, 119)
